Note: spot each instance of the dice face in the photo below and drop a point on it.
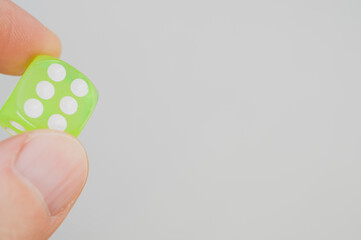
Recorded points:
(51, 95)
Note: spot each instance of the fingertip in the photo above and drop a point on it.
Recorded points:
(23, 37)
(56, 164)
(42, 173)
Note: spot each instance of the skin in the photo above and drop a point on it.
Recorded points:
(42, 172)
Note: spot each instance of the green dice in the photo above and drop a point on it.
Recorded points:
(50, 95)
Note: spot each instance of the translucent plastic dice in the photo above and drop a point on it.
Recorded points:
(51, 95)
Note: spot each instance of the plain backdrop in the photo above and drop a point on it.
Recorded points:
(217, 120)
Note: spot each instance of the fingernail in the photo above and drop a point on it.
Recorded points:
(56, 164)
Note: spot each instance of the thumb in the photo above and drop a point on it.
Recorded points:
(41, 175)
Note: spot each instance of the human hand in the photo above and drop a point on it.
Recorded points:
(41, 172)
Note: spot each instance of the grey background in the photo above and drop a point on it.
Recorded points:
(216, 119)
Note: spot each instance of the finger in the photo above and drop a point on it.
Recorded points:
(22, 37)
(41, 175)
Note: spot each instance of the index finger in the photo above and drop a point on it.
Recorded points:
(22, 37)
